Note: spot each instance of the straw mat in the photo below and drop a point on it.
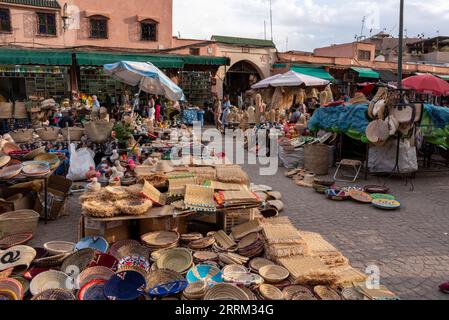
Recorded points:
(246, 228)
(199, 198)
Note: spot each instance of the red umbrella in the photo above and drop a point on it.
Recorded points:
(427, 84)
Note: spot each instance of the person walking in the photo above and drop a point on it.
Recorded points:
(217, 114)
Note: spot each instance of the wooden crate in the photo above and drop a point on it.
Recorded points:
(232, 218)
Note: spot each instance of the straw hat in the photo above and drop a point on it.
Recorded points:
(308, 180)
(379, 109)
(164, 166)
(393, 124)
(377, 131)
(404, 114)
(359, 98)
(17, 256)
(4, 159)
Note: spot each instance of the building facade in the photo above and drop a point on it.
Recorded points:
(50, 47)
(87, 23)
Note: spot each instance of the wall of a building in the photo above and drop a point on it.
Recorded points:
(123, 24)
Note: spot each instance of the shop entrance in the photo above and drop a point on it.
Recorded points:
(13, 88)
(239, 78)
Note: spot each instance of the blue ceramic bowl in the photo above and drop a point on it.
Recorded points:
(97, 243)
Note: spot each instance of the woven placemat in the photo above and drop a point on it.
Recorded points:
(224, 240)
(246, 228)
(232, 174)
(150, 192)
(281, 233)
(199, 198)
(204, 173)
(217, 185)
(347, 275)
(303, 269)
(177, 185)
(316, 243)
(279, 250)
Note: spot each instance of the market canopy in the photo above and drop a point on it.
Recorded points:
(265, 83)
(318, 72)
(428, 84)
(36, 57)
(294, 79)
(366, 73)
(145, 75)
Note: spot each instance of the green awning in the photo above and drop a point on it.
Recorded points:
(167, 61)
(37, 57)
(217, 61)
(444, 77)
(366, 73)
(318, 72)
(279, 65)
(99, 59)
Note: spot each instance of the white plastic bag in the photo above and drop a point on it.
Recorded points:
(80, 162)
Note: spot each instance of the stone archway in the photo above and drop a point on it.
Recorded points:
(239, 78)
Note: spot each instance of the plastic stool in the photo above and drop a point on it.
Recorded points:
(355, 165)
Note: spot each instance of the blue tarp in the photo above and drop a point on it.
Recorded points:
(439, 115)
(341, 118)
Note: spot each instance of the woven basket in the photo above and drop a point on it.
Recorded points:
(159, 277)
(50, 262)
(59, 247)
(20, 111)
(75, 133)
(54, 294)
(94, 273)
(326, 293)
(270, 292)
(6, 110)
(176, 259)
(225, 291)
(20, 221)
(22, 135)
(48, 133)
(134, 207)
(51, 279)
(78, 261)
(99, 131)
(316, 158)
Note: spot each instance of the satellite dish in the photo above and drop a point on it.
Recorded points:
(380, 58)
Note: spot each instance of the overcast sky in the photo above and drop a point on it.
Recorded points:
(307, 24)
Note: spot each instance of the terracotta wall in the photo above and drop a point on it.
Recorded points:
(123, 24)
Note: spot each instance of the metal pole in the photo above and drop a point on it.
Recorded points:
(271, 21)
(401, 43)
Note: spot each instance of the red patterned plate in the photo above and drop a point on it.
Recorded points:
(15, 240)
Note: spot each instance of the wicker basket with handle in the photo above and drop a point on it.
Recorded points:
(99, 131)
(6, 109)
(75, 133)
(48, 133)
(22, 135)
(19, 221)
(20, 111)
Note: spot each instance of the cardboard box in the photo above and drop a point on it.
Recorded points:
(112, 231)
(58, 190)
(162, 224)
(13, 199)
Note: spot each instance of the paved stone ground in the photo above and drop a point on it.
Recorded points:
(410, 246)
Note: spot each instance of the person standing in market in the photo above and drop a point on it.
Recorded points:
(217, 114)
(158, 109)
(226, 110)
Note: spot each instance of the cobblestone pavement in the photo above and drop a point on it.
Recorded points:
(410, 246)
